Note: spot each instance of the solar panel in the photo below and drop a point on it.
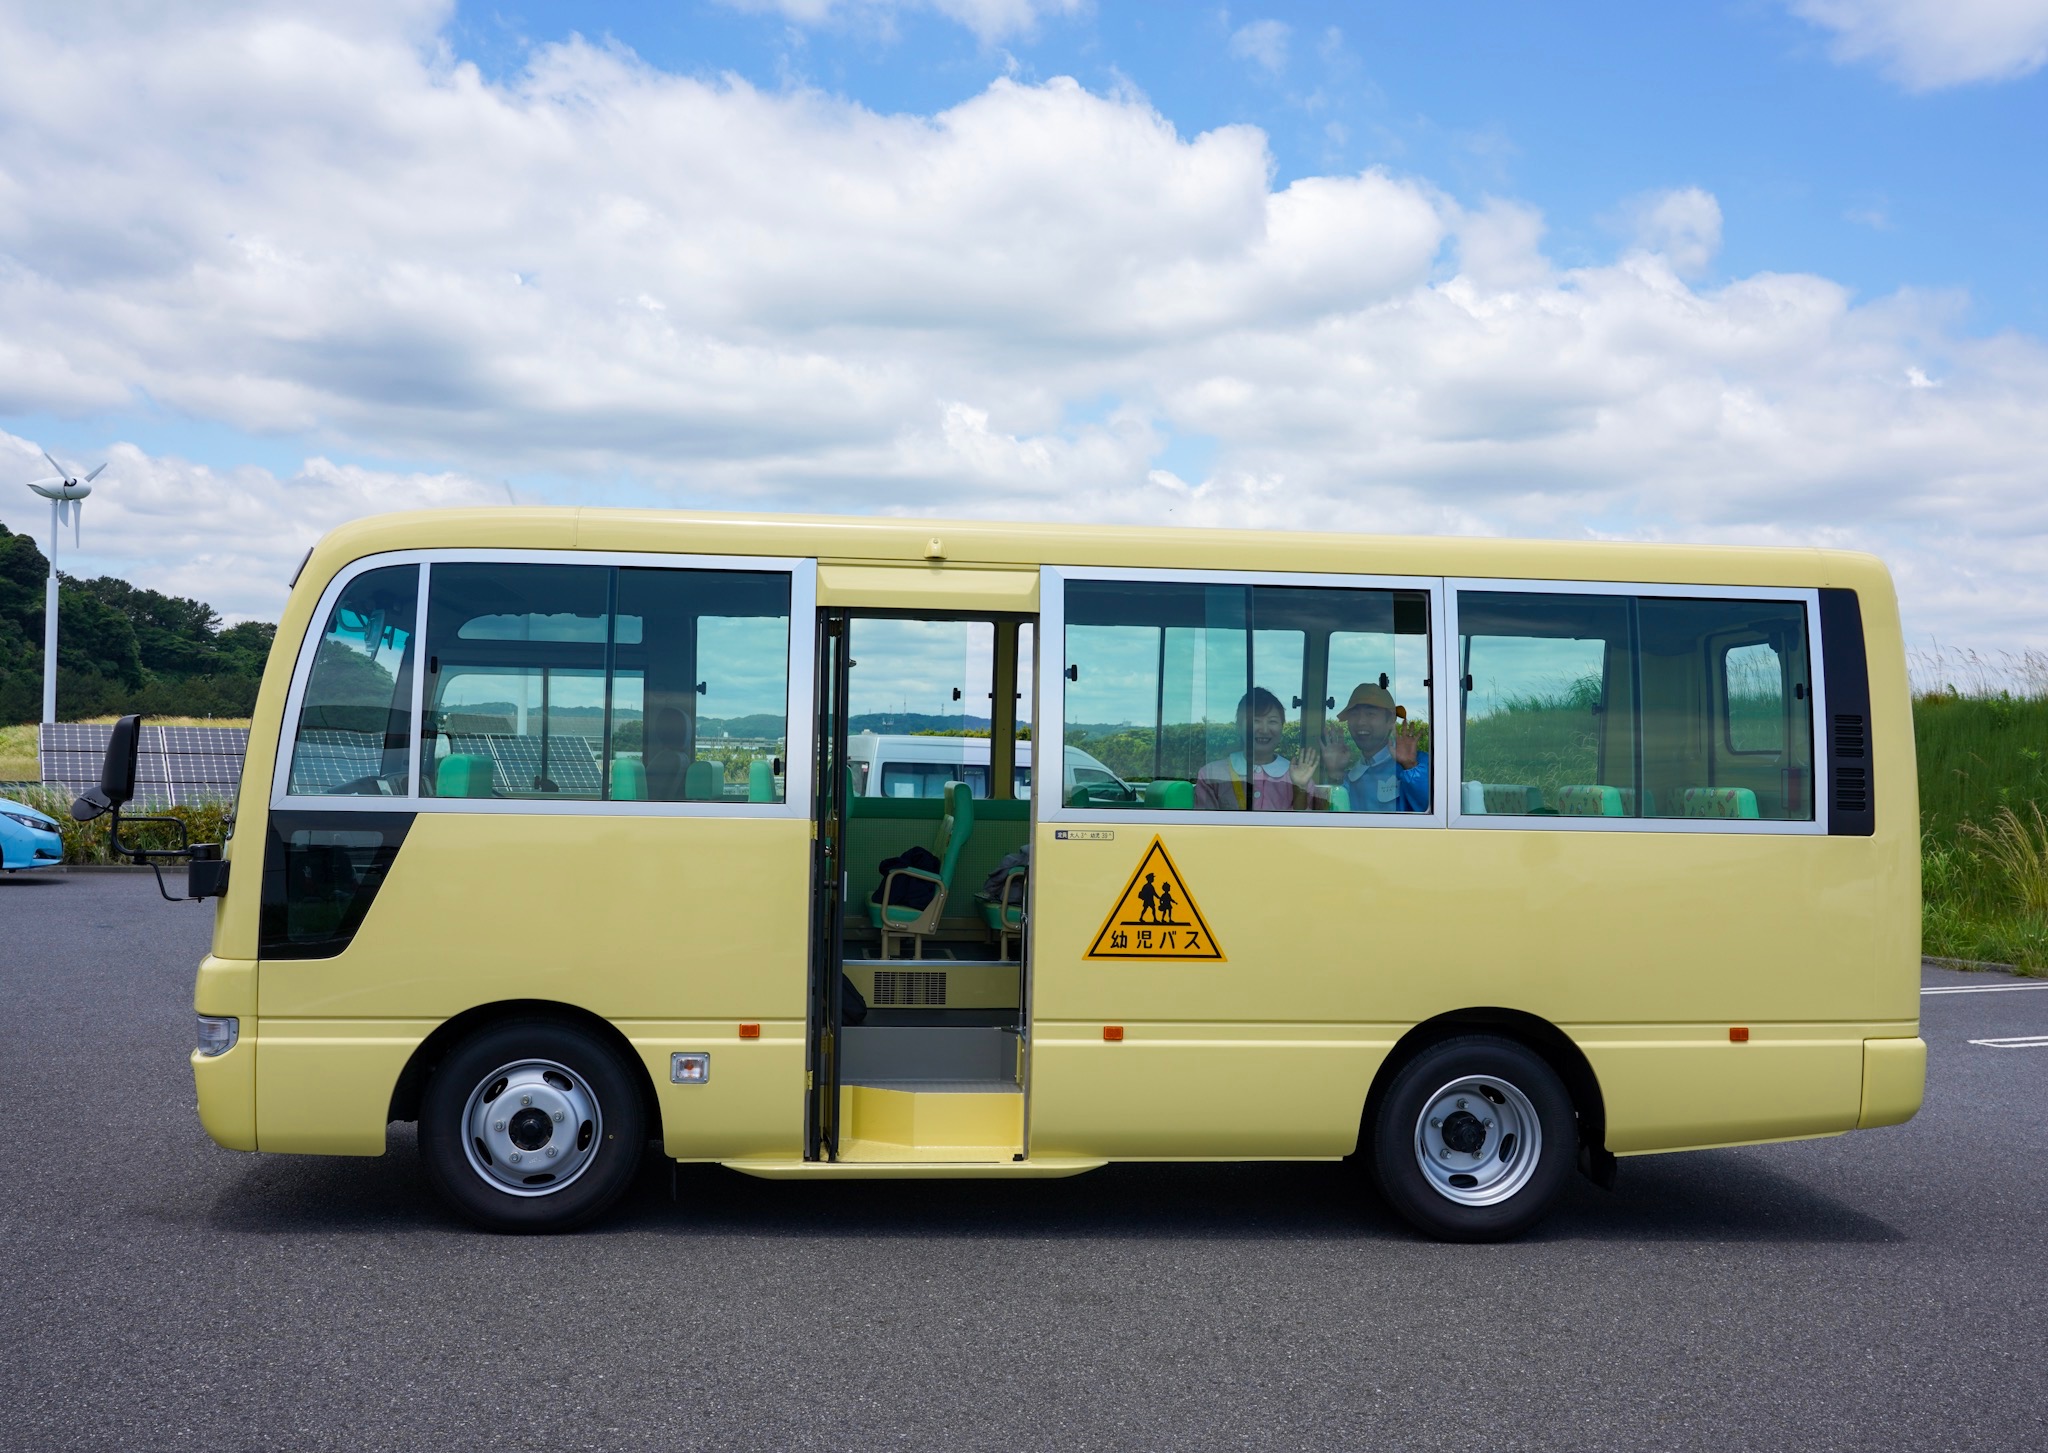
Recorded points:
(187, 765)
(173, 765)
(326, 757)
(571, 764)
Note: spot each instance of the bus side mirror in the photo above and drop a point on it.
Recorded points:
(117, 773)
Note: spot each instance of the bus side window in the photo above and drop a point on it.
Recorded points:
(1228, 698)
(354, 733)
(1544, 732)
(1626, 706)
(588, 682)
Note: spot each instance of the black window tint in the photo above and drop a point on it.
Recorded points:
(321, 873)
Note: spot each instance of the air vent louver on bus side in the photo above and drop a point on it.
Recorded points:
(1852, 791)
(910, 989)
(1851, 743)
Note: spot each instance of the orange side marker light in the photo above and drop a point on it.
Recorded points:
(1738, 1036)
(750, 1031)
(1114, 1033)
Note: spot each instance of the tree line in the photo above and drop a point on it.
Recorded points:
(120, 648)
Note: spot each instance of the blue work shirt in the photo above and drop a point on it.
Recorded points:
(1381, 785)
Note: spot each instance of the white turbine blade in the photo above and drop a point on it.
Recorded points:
(77, 509)
(61, 472)
(94, 475)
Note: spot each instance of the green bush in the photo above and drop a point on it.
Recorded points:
(87, 842)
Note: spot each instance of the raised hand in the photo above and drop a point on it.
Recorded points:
(1302, 770)
(1406, 735)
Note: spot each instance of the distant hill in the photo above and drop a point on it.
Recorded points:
(121, 648)
(910, 723)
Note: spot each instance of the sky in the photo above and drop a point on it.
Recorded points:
(1741, 271)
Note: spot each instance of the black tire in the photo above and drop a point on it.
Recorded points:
(581, 1098)
(1467, 1107)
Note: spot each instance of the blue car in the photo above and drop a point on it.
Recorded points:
(28, 838)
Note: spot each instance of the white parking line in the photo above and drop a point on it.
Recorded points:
(2025, 1041)
(1986, 989)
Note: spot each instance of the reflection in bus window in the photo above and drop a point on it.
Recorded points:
(1251, 698)
(1753, 685)
(354, 734)
(1622, 706)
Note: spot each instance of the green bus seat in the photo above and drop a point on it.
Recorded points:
(1589, 801)
(1004, 914)
(900, 923)
(760, 781)
(629, 780)
(464, 774)
(704, 782)
(1720, 802)
(1170, 795)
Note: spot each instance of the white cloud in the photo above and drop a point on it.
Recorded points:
(1264, 43)
(228, 537)
(990, 20)
(1925, 45)
(1682, 226)
(700, 293)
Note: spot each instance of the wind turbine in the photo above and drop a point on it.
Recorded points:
(66, 494)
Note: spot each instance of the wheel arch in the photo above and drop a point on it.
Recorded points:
(412, 1080)
(1534, 1032)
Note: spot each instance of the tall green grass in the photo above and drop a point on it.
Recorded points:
(1983, 765)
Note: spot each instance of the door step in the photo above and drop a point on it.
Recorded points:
(905, 1124)
(1041, 1168)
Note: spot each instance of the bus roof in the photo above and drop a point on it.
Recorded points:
(878, 540)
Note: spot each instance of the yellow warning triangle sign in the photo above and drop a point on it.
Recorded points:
(1156, 917)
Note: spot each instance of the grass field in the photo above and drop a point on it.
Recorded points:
(18, 754)
(1983, 764)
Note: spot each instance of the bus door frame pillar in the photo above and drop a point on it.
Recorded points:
(828, 889)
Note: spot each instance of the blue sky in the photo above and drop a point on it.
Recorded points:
(1820, 167)
(1758, 272)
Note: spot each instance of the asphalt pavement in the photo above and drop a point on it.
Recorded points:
(1881, 1290)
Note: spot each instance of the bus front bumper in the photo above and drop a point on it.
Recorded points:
(226, 1082)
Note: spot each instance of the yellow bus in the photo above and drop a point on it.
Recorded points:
(1479, 862)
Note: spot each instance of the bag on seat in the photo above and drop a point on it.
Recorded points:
(909, 892)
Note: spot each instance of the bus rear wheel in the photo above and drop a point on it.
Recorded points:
(1474, 1138)
(531, 1125)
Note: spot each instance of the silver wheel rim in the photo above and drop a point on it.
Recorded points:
(1478, 1140)
(531, 1127)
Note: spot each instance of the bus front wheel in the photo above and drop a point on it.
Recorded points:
(532, 1125)
(1474, 1138)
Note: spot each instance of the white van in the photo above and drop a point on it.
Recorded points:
(897, 766)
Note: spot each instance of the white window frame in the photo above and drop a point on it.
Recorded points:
(1451, 735)
(798, 760)
(1052, 651)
